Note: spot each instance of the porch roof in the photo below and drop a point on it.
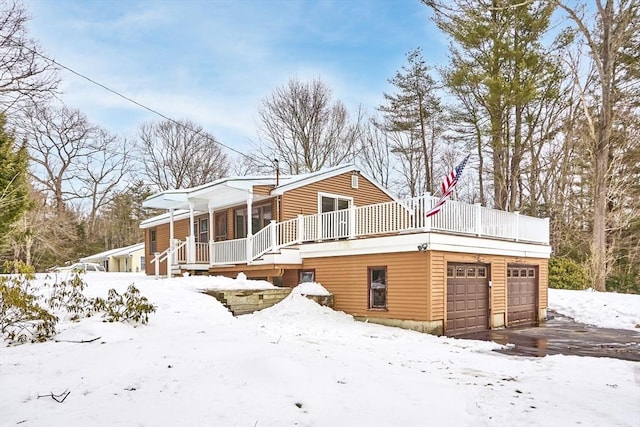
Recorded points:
(218, 194)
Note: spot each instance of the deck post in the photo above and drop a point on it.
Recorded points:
(156, 256)
(352, 222)
(478, 218)
(546, 232)
(425, 221)
(300, 228)
(274, 236)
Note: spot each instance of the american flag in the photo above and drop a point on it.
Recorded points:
(447, 185)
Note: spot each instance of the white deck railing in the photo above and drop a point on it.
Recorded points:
(379, 219)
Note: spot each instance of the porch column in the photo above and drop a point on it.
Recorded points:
(249, 241)
(171, 258)
(211, 235)
(191, 245)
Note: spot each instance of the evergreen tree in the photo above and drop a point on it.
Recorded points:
(13, 181)
(413, 109)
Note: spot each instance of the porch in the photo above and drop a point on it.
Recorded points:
(269, 244)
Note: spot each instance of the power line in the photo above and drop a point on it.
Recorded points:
(133, 101)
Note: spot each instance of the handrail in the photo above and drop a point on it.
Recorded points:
(159, 257)
(379, 219)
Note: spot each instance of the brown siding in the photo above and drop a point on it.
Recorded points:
(162, 243)
(304, 200)
(262, 190)
(438, 285)
(346, 278)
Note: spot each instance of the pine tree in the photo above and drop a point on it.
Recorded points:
(13, 181)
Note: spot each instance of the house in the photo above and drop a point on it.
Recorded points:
(127, 259)
(467, 268)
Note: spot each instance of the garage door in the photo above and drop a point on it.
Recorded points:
(467, 298)
(522, 291)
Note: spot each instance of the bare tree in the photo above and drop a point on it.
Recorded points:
(180, 154)
(60, 140)
(102, 174)
(304, 129)
(615, 29)
(374, 153)
(24, 75)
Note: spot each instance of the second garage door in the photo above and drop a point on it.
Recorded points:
(467, 298)
(522, 291)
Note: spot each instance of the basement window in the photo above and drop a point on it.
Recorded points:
(377, 287)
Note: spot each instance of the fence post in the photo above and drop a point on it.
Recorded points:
(352, 222)
(300, 229)
(274, 236)
(156, 256)
(478, 219)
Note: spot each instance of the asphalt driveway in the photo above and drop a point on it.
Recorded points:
(562, 335)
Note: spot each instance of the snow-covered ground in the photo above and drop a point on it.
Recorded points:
(298, 363)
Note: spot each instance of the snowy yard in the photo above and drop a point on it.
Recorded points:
(298, 363)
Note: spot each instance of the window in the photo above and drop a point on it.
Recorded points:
(471, 272)
(482, 272)
(508, 272)
(240, 223)
(450, 271)
(515, 273)
(330, 204)
(459, 271)
(220, 226)
(307, 276)
(153, 243)
(377, 287)
(354, 181)
(202, 230)
(260, 218)
(532, 272)
(523, 272)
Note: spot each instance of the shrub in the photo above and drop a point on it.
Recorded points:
(22, 318)
(128, 306)
(27, 316)
(565, 273)
(624, 283)
(67, 295)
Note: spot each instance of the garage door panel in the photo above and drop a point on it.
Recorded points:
(522, 290)
(467, 300)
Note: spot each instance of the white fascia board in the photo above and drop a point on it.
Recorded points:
(165, 218)
(310, 178)
(434, 241)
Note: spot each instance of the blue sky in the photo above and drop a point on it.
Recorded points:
(213, 61)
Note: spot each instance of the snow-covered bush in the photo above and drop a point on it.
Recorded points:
(22, 316)
(28, 313)
(128, 306)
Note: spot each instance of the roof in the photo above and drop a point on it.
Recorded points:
(125, 251)
(233, 191)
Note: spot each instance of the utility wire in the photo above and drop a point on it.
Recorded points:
(133, 101)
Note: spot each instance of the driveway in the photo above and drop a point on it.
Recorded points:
(562, 335)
